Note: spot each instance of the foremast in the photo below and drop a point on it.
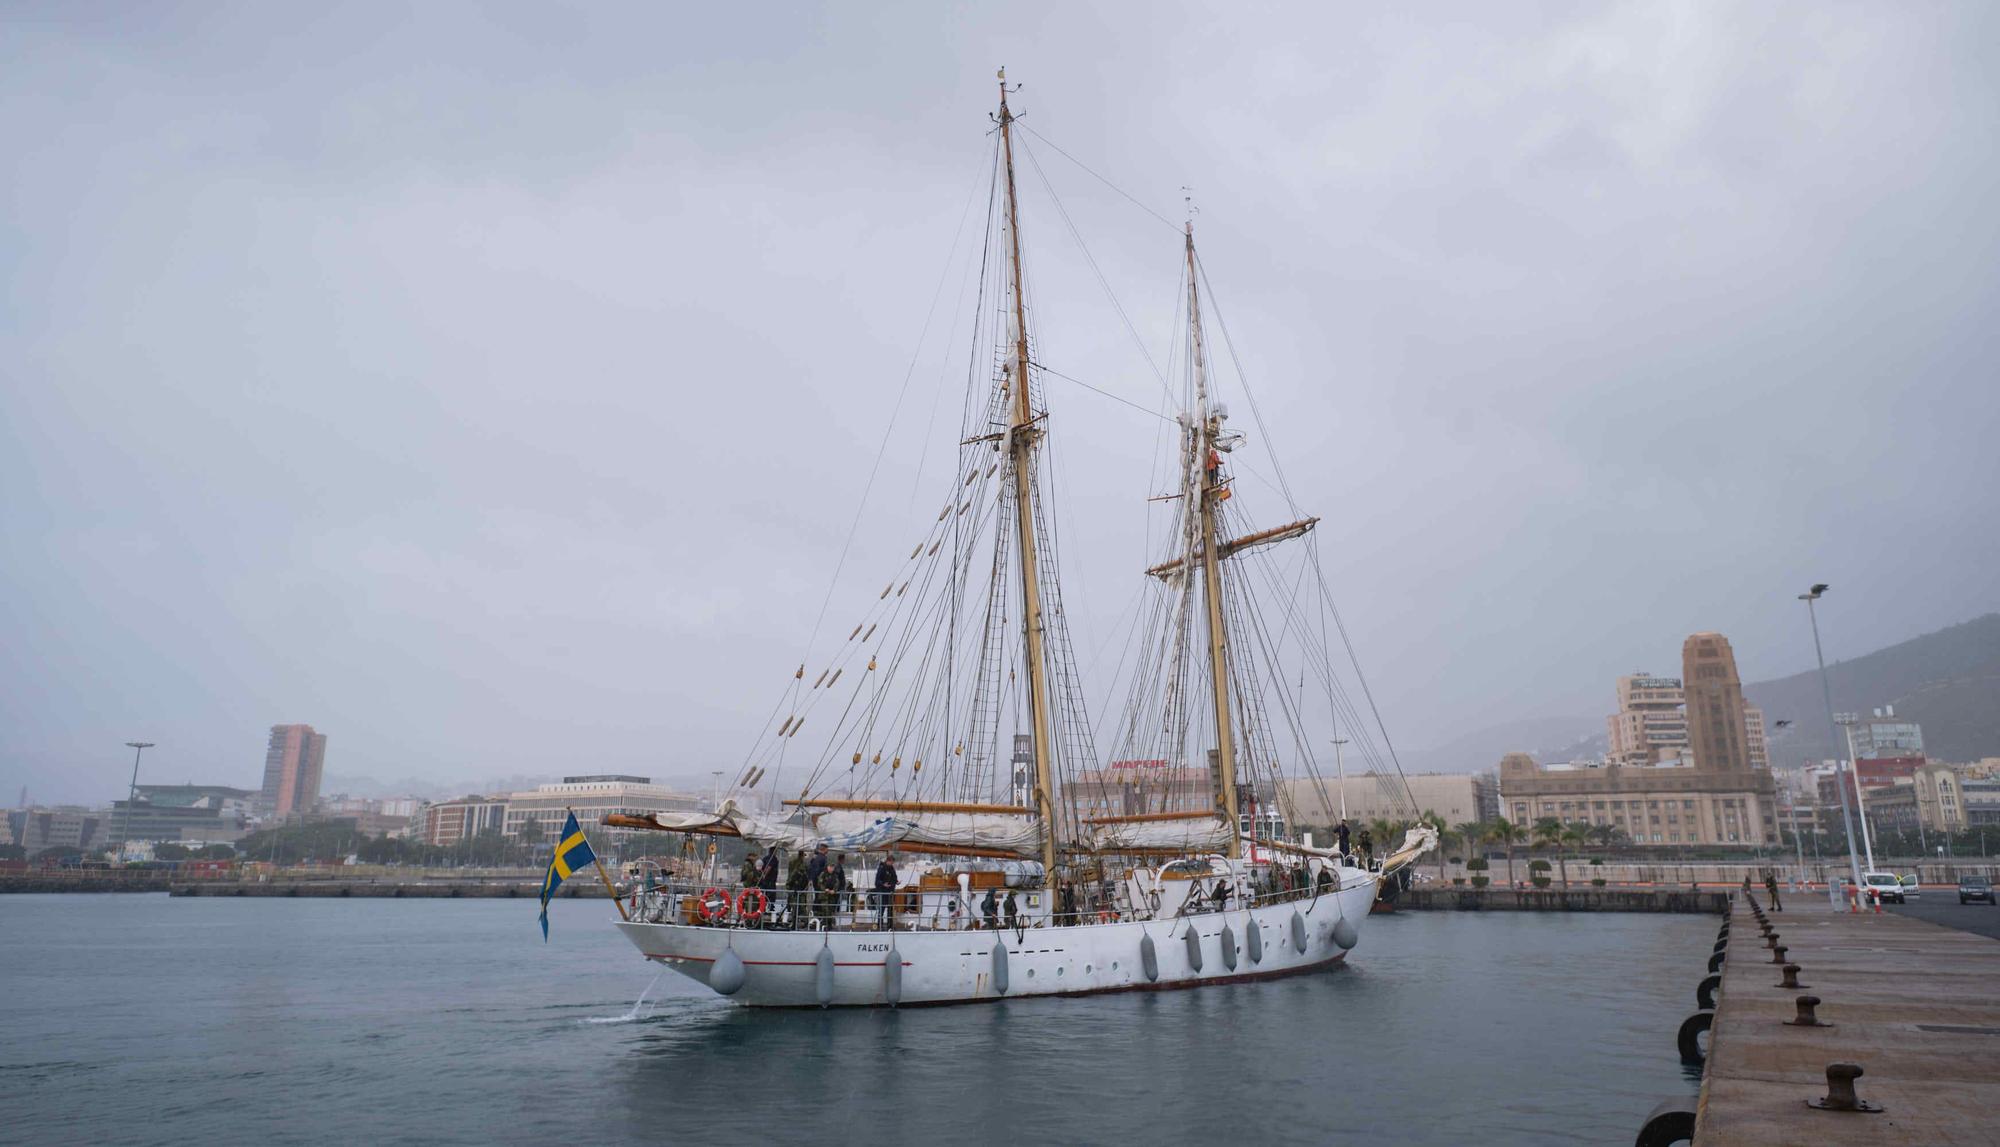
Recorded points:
(1203, 429)
(1021, 436)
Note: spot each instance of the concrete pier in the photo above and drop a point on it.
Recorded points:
(1911, 1003)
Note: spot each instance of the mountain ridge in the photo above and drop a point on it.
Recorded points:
(1947, 680)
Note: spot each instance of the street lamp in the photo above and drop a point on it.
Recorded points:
(131, 794)
(1832, 726)
(1847, 721)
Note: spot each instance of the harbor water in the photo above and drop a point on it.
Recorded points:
(143, 1020)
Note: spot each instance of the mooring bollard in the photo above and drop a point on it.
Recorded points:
(1778, 954)
(1792, 977)
(1840, 1095)
(1807, 1017)
(1770, 939)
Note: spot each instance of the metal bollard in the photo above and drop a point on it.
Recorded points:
(1770, 939)
(1840, 1095)
(1792, 977)
(1778, 954)
(1807, 1017)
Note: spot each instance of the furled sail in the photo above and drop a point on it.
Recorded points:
(1189, 834)
(856, 831)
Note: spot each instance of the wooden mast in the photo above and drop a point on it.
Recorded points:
(1020, 448)
(1203, 429)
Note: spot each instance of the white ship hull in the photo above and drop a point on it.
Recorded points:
(786, 969)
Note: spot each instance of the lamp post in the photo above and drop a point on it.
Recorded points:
(131, 794)
(1847, 721)
(1832, 726)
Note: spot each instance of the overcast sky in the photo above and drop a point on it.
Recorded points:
(493, 388)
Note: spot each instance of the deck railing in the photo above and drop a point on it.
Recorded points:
(730, 905)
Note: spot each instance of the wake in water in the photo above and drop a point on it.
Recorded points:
(638, 1006)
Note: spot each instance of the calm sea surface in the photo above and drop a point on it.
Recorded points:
(139, 1019)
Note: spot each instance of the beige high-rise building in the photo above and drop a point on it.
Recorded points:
(1717, 728)
(293, 761)
(1753, 737)
(1649, 725)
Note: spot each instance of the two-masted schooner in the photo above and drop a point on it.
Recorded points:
(955, 741)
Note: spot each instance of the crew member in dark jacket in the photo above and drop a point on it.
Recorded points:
(885, 891)
(990, 909)
(767, 874)
(815, 880)
(1340, 832)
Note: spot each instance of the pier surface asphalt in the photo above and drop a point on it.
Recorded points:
(1943, 908)
(1912, 1002)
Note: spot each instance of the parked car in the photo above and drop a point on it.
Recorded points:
(1972, 888)
(1888, 887)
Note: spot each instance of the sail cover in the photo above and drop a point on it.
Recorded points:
(852, 831)
(1204, 834)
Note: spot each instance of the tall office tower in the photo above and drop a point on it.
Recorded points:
(1755, 745)
(1649, 725)
(292, 767)
(1716, 725)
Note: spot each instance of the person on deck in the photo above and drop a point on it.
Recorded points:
(1771, 887)
(1367, 848)
(767, 871)
(1221, 895)
(1340, 833)
(1325, 880)
(795, 890)
(841, 885)
(1068, 902)
(885, 891)
(989, 908)
(815, 873)
(826, 904)
(751, 870)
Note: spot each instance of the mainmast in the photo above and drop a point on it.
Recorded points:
(1020, 450)
(1204, 427)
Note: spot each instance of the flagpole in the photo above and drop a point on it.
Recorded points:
(606, 878)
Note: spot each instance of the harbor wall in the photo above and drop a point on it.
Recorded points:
(1557, 900)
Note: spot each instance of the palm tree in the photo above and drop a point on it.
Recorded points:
(1572, 838)
(1504, 832)
(1548, 834)
(1437, 824)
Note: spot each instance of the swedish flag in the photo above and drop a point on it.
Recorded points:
(572, 852)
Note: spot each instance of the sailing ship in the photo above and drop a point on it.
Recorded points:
(1150, 873)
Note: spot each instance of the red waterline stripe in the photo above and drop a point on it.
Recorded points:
(779, 963)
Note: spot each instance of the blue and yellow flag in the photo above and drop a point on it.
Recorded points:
(572, 852)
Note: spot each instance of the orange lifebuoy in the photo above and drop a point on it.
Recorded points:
(746, 909)
(713, 907)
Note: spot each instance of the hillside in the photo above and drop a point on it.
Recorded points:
(1948, 682)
